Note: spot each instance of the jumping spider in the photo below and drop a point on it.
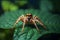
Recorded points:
(31, 19)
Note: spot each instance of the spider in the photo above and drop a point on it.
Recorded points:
(29, 18)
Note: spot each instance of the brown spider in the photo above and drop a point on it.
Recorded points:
(29, 18)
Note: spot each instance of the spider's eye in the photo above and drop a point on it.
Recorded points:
(28, 14)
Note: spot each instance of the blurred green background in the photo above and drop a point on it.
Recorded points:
(15, 5)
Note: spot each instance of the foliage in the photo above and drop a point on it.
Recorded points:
(9, 6)
(51, 21)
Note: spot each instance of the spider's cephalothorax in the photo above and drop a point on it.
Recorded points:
(31, 19)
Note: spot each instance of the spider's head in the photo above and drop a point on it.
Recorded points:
(29, 16)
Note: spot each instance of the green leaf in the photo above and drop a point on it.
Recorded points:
(8, 6)
(51, 21)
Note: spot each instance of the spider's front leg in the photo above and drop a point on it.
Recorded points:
(40, 22)
(17, 21)
(35, 25)
(23, 24)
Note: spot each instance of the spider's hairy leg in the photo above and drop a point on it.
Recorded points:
(23, 25)
(35, 25)
(17, 21)
(41, 23)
